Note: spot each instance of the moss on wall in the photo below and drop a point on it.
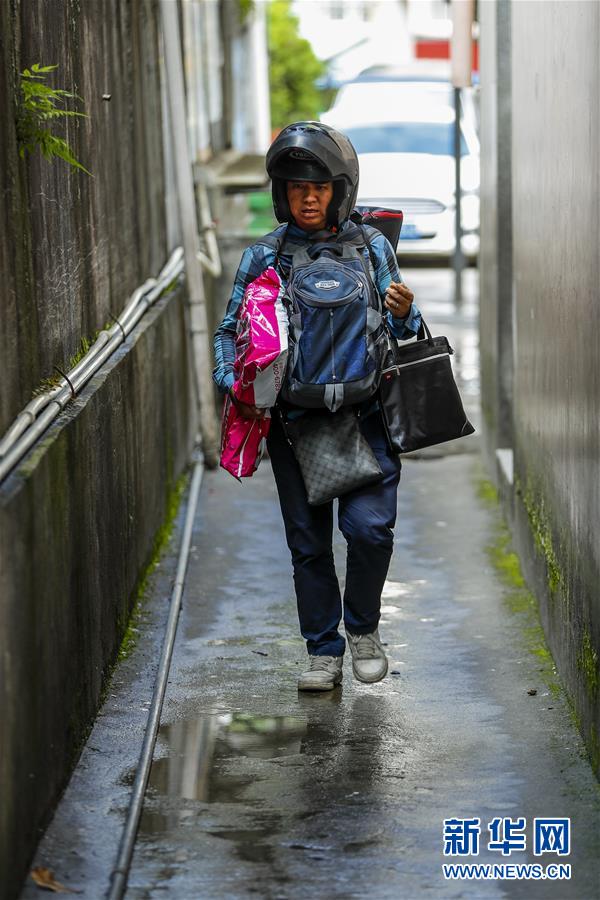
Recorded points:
(520, 600)
(161, 539)
(517, 597)
(541, 529)
(587, 663)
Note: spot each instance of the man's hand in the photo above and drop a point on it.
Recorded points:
(246, 409)
(398, 299)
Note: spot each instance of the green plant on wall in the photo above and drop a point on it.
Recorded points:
(246, 7)
(39, 106)
(293, 68)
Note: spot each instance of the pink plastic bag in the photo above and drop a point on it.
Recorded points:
(242, 441)
(260, 360)
(261, 342)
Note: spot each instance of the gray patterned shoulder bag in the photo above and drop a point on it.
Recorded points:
(332, 452)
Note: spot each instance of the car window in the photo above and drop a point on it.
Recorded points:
(383, 93)
(406, 137)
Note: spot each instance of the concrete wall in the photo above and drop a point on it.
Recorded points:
(77, 525)
(488, 255)
(79, 516)
(553, 325)
(74, 247)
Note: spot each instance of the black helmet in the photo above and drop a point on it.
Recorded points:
(312, 151)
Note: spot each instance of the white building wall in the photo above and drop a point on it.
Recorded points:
(205, 57)
(355, 34)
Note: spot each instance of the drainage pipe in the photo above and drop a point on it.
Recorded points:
(40, 412)
(189, 229)
(211, 260)
(120, 873)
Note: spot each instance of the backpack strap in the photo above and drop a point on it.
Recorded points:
(358, 234)
(278, 249)
(369, 246)
(365, 231)
(274, 241)
(277, 241)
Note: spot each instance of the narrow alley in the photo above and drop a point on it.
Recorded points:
(258, 790)
(380, 221)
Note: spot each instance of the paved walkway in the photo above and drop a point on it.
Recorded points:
(259, 791)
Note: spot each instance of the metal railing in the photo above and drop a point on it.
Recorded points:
(36, 417)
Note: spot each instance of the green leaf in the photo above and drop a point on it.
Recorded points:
(40, 104)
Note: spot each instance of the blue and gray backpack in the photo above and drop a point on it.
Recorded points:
(336, 337)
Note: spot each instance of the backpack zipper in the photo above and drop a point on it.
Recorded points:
(332, 345)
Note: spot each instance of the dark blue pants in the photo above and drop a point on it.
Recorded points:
(366, 518)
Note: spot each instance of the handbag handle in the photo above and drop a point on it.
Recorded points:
(424, 332)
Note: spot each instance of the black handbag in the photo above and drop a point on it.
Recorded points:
(332, 452)
(419, 399)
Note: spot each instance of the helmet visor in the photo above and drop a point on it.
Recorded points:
(299, 165)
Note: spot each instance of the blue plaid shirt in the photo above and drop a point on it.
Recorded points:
(259, 257)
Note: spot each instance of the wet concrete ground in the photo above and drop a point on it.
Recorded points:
(259, 791)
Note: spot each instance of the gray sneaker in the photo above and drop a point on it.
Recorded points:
(369, 662)
(323, 675)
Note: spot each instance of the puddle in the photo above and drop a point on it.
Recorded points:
(249, 843)
(199, 750)
(210, 761)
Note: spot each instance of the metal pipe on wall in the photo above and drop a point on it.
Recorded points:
(211, 260)
(459, 260)
(189, 229)
(40, 412)
(461, 59)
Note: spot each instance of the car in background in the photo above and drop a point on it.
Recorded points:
(429, 78)
(403, 133)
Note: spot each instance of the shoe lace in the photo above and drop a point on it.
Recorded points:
(318, 663)
(365, 646)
